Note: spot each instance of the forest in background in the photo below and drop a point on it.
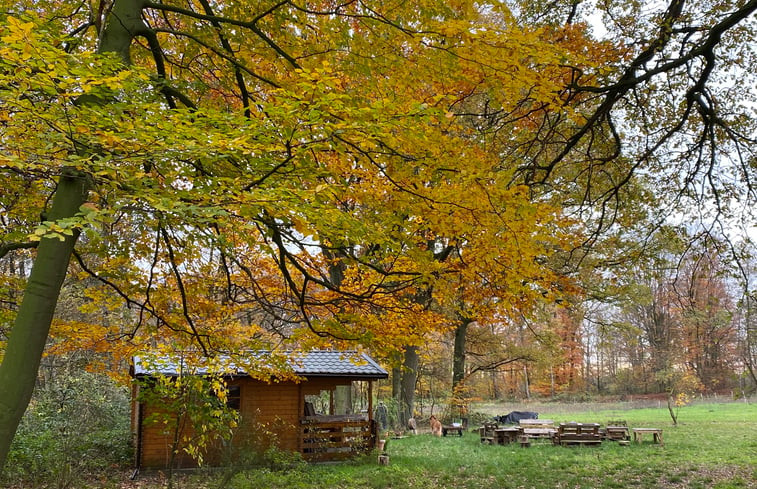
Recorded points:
(683, 325)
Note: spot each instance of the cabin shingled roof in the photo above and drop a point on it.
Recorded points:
(317, 363)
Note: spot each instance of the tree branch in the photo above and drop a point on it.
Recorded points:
(221, 54)
(8, 247)
(251, 25)
(630, 79)
(182, 291)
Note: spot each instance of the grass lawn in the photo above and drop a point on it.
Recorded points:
(714, 446)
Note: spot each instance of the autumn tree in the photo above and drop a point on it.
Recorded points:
(746, 321)
(341, 166)
(666, 126)
(283, 175)
(748, 344)
(671, 315)
(706, 308)
(653, 312)
(668, 141)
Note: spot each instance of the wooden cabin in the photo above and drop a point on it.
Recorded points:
(326, 414)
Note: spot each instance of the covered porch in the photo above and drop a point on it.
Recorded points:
(337, 419)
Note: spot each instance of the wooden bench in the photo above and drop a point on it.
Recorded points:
(537, 428)
(504, 436)
(616, 433)
(451, 428)
(656, 433)
(577, 434)
(536, 423)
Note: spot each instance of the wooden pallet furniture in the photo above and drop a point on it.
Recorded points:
(486, 432)
(616, 430)
(505, 436)
(536, 423)
(537, 428)
(524, 441)
(577, 434)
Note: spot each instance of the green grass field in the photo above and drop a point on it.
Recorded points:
(714, 446)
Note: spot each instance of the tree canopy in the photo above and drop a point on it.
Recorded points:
(307, 174)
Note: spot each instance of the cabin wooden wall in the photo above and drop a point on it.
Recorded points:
(270, 414)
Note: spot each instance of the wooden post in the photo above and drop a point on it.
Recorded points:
(370, 400)
(372, 426)
(300, 415)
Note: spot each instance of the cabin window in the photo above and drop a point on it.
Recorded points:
(233, 397)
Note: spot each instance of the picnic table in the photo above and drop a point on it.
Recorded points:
(452, 428)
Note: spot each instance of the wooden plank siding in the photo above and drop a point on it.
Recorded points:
(156, 440)
(270, 413)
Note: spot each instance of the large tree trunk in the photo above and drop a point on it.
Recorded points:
(409, 377)
(396, 383)
(458, 355)
(23, 353)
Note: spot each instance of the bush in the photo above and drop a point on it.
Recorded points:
(77, 425)
(477, 418)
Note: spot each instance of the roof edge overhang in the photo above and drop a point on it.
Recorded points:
(350, 376)
(300, 372)
(244, 375)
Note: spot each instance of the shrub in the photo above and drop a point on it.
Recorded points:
(76, 425)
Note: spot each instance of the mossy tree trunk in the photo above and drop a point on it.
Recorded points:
(26, 342)
(23, 353)
(458, 354)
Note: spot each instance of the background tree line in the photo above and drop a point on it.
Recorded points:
(680, 314)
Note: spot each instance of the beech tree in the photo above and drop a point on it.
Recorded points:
(301, 161)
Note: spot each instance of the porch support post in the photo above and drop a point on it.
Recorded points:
(372, 425)
(300, 415)
(370, 400)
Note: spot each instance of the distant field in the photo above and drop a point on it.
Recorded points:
(633, 402)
